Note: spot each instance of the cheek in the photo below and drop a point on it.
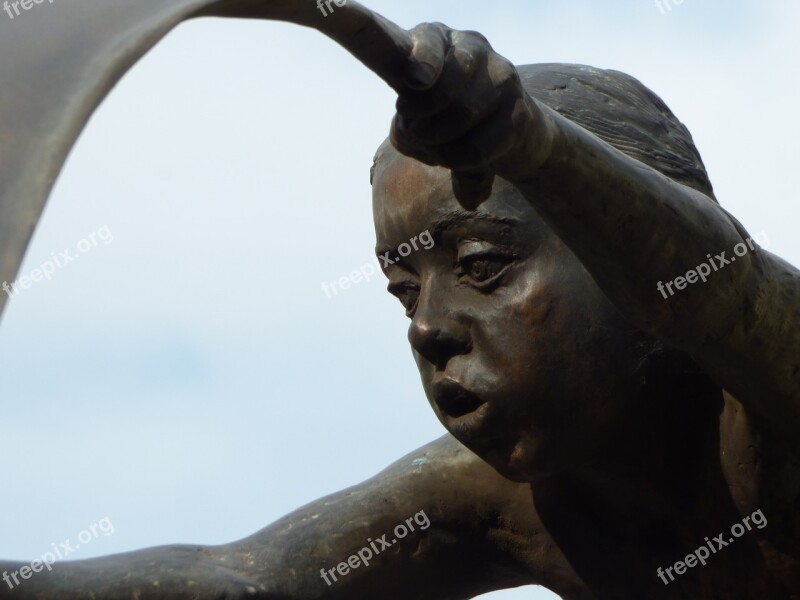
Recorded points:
(523, 324)
(536, 333)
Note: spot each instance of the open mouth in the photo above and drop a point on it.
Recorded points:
(453, 400)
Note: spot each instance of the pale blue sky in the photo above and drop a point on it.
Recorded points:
(191, 381)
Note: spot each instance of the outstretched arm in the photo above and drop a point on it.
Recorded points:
(631, 226)
(438, 524)
(634, 230)
(460, 513)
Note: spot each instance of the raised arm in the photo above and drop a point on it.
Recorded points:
(465, 531)
(631, 226)
(635, 230)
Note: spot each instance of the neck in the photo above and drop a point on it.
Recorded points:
(659, 461)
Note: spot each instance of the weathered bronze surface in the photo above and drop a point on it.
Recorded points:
(601, 429)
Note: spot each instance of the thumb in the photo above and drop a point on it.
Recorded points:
(431, 42)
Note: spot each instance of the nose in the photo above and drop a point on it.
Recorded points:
(437, 333)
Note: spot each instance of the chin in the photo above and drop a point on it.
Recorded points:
(511, 473)
(510, 459)
(523, 461)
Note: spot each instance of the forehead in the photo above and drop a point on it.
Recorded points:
(409, 197)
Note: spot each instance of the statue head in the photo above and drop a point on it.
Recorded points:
(522, 356)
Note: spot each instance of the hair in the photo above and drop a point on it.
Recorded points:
(621, 111)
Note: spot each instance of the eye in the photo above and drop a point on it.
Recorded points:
(481, 263)
(408, 294)
(482, 268)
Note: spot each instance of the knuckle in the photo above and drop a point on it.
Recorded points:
(506, 68)
(466, 57)
(505, 74)
(442, 28)
(420, 28)
(430, 30)
(475, 38)
(465, 43)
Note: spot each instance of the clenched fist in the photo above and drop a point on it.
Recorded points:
(464, 108)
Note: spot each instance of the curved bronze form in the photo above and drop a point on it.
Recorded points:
(58, 65)
(605, 418)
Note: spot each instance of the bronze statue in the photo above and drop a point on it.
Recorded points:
(616, 359)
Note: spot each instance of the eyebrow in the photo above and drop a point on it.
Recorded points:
(457, 217)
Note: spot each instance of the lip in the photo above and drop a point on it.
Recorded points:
(454, 399)
(474, 421)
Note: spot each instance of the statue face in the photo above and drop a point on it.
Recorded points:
(522, 357)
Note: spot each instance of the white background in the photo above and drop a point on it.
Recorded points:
(191, 381)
